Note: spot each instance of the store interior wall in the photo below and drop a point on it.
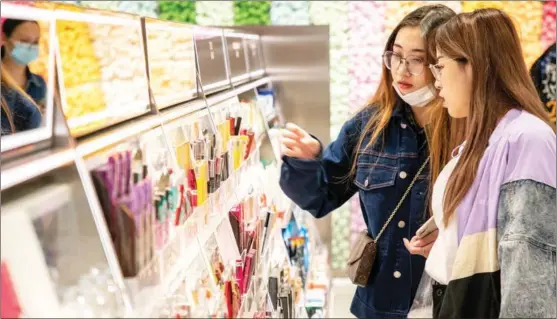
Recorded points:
(297, 60)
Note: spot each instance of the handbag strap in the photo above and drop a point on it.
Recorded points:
(402, 200)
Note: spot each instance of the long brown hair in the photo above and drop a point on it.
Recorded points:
(488, 40)
(442, 133)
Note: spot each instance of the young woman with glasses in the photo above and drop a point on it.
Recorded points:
(494, 202)
(377, 154)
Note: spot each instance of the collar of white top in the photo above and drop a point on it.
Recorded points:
(458, 150)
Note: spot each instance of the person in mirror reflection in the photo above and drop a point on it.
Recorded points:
(377, 154)
(20, 47)
(19, 112)
(494, 202)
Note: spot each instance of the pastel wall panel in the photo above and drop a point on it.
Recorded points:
(527, 16)
(366, 24)
(215, 13)
(143, 8)
(548, 24)
(103, 5)
(340, 241)
(335, 14)
(290, 12)
(366, 44)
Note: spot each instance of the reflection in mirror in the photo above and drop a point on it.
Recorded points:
(103, 73)
(171, 62)
(25, 55)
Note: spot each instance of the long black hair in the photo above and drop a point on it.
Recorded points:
(9, 26)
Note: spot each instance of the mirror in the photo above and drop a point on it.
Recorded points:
(27, 75)
(171, 59)
(210, 54)
(102, 71)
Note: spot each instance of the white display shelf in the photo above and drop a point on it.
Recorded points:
(172, 264)
(208, 218)
(37, 165)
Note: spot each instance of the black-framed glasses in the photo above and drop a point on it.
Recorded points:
(414, 65)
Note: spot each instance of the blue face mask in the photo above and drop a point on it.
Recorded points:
(24, 53)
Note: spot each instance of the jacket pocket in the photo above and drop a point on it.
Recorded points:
(370, 176)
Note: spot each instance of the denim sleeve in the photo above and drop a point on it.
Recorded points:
(527, 244)
(322, 185)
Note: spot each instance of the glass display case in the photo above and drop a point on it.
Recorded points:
(36, 32)
(254, 54)
(236, 55)
(101, 68)
(211, 58)
(52, 246)
(171, 62)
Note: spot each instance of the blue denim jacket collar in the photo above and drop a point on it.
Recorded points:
(35, 86)
(32, 78)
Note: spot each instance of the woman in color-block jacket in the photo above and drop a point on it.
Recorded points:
(494, 202)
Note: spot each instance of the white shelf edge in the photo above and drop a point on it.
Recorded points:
(35, 167)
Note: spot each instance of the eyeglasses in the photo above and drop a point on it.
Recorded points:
(437, 69)
(414, 65)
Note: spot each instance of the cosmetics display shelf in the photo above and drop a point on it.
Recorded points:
(166, 192)
(49, 160)
(194, 250)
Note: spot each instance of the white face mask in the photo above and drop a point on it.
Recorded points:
(419, 97)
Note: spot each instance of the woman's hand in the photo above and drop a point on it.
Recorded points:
(417, 246)
(298, 143)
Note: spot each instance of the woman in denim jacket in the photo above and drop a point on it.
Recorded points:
(377, 154)
(494, 202)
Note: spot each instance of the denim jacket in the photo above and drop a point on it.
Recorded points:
(35, 87)
(383, 173)
(25, 114)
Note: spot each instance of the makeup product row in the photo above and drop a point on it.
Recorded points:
(281, 294)
(208, 160)
(140, 212)
(126, 194)
(240, 287)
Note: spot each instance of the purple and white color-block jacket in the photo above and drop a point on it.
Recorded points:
(505, 260)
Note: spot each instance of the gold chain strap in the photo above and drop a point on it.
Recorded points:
(402, 200)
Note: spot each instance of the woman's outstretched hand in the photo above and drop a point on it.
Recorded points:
(298, 143)
(417, 246)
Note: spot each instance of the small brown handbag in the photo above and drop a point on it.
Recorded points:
(362, 256)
